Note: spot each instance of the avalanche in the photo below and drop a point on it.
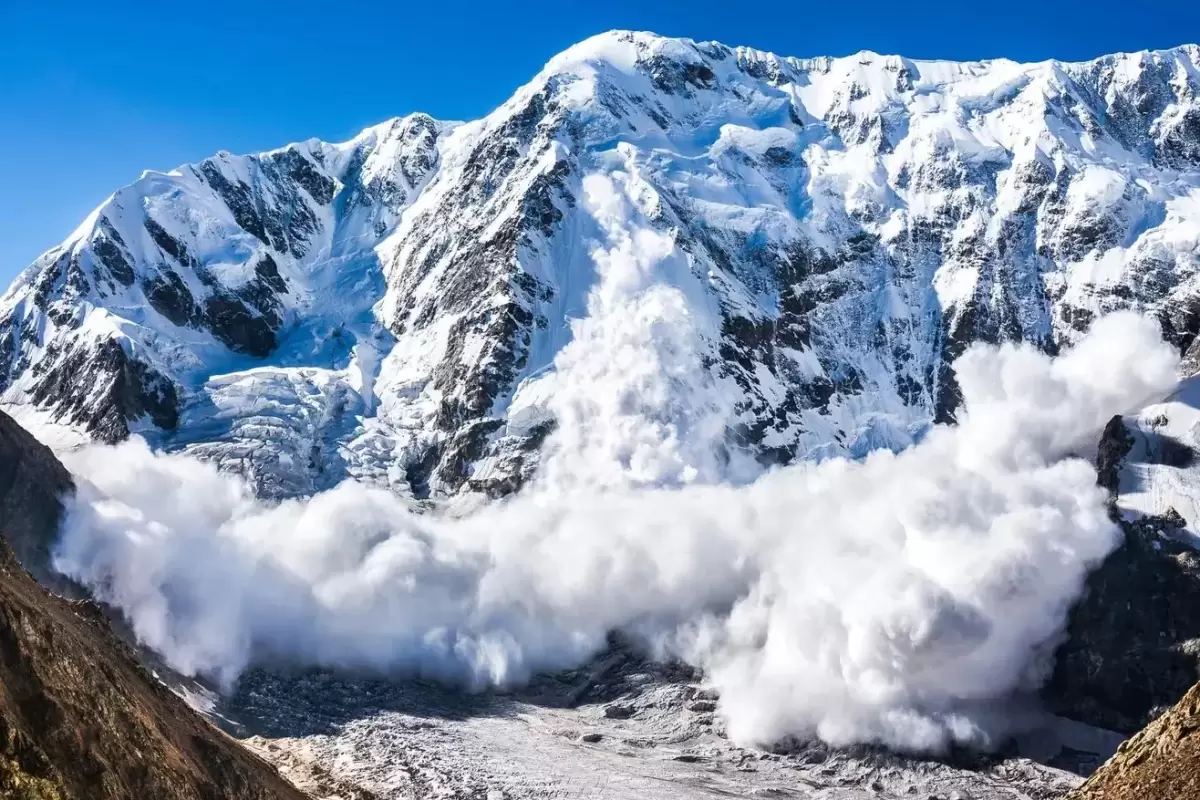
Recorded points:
(902, 599)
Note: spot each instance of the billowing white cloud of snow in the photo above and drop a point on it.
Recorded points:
(890, 599)
(633, 401)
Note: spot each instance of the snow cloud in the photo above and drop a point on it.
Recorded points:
(898, 599)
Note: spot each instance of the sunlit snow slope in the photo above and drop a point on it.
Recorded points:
(418, 307)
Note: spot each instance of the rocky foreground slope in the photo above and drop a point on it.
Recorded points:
(786, 252)
(822, 235)
(1161, 762)
(80, 719)
(32, 486)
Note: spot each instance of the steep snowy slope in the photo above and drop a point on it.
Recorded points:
(177, 292)
(695, 260)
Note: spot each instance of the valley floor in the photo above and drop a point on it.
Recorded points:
(618, 729)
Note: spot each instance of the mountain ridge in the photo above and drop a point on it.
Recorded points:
(391, 308)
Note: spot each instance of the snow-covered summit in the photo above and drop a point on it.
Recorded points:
(735, 258)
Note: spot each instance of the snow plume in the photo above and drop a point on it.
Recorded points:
(633, 401)
(898, 599)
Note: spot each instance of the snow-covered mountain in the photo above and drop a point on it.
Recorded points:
(788, 251)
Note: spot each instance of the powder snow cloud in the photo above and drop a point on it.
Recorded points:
(897, 599)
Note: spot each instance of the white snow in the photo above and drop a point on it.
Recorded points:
(885, 147)
(1162, 470)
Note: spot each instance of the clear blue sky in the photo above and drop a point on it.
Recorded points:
(91, 93)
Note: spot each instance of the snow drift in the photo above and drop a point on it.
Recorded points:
(895, 599)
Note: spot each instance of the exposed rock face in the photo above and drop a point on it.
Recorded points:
(1115, 444)
(32, 486)
(1133, 644)
(1161, 762)
(388, 308)
(79, 718)
(1133, 640)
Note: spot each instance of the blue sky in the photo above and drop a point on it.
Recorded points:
(93, 93)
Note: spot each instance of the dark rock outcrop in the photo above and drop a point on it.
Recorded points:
(1133, 645)
(1133, 639)
(104, 388)
(1115, 444)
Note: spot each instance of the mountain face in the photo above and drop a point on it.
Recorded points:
(816, 238)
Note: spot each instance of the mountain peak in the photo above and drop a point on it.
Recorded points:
(851, 225)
